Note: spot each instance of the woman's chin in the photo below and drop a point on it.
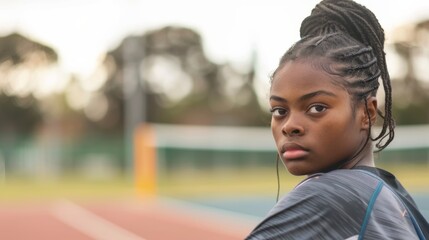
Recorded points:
(299, 170)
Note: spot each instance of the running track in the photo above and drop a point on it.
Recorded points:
(130, 219)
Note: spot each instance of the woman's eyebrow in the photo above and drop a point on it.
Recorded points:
(277, 98)
(304, 97)
(316, 93)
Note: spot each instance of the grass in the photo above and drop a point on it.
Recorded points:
(18, 189)
(225, 183)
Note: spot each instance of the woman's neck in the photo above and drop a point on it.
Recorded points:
(365, 158)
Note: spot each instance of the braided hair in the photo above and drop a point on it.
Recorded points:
(345, 39)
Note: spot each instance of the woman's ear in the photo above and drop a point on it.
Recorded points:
(370, 113)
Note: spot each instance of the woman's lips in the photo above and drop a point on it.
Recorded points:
(293, 151)
(294, 154)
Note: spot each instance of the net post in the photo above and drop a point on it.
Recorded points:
(145, 160)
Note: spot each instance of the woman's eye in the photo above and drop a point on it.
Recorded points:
(317, 109)
(278, 112)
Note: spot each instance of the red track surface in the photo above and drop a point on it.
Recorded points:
(124, 219)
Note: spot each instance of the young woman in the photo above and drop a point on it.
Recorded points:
(323, 104)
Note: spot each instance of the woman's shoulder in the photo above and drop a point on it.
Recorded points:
(338, 181)
(334, 205)
(325, 204)
(338, 190)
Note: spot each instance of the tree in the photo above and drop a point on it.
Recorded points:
(180, 84)
(19, 56)
(411, 93)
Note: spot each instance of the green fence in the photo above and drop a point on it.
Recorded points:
(53, 157)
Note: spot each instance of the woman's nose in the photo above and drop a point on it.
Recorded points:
(293, 126)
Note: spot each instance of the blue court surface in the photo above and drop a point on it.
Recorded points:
(258, 206)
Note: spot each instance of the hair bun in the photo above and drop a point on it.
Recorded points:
(343, 15)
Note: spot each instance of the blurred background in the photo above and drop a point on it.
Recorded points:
(77, 78)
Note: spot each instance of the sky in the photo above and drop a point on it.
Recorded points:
(81, 31)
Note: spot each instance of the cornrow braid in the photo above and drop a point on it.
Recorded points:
(350, 41)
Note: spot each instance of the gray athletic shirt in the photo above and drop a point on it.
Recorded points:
(341, 204)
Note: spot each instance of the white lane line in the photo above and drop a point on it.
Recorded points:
(90, 224)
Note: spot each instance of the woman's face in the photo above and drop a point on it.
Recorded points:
(312, 121)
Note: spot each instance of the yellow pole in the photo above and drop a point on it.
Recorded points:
(145, 160)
